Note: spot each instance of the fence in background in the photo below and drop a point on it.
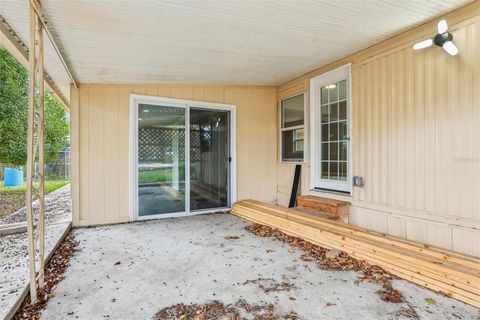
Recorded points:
(59, 169)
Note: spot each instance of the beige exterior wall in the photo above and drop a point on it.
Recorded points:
(100, 144)
(416, 137)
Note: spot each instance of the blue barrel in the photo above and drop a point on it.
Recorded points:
(13, 177)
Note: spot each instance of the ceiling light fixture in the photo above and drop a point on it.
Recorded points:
(146, 110)
(424, 44)
(442, 39)
(450, 47)
(332, 86)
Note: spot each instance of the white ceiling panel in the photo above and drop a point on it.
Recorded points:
(215, 42)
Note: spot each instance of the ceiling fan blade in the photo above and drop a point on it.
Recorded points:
(423, 44)
(451, 48)
(442, 26)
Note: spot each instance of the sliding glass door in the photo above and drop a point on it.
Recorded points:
(161, 159)
(209, 159)
(183, 159)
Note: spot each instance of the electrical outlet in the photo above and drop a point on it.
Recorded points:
(357, 181)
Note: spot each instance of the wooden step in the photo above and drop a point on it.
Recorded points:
(326, 208)
(315, 213)
(448, 272)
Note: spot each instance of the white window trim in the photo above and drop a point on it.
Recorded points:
(135, 100)
(305, 127)
(316, 83)
(296, 140)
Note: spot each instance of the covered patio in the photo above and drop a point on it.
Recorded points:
(133, 271)
(348, 127)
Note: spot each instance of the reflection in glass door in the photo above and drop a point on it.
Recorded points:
(161, 159)
(209, 159)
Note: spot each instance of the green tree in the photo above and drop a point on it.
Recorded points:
(14, 115)
(57, 128)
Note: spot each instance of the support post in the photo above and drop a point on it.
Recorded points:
(41, 159)
(30, 158)
(35, 146)
(75, 153)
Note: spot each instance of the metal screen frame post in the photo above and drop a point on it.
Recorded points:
(36, 115)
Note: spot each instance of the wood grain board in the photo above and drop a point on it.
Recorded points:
(326, 208)
(453, 274)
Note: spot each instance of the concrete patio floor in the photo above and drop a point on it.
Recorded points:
(131, 271)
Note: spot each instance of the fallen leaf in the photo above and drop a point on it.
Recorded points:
(338, 260)
(329, 304)
(430, 301)
(53, 275)
(390, 295)
(117, 263)
(217, 310)
(270, 250)
(232, 238)
(304, 257)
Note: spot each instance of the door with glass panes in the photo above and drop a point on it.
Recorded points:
(333, 133)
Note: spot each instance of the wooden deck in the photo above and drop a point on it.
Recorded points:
(453, 274)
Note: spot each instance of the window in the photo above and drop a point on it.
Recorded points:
(292, 124)
(334, 134)
(298, 140)
(331, 162)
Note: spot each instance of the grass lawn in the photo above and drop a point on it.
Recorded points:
(154, 176)
(13, 198)
(164, 174)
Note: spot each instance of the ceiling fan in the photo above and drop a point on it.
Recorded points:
(442, 39)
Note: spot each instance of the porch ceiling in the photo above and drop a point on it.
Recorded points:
(213, 42)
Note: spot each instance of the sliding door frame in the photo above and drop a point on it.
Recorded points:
(135, 100)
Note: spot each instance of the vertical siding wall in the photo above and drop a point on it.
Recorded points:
(416, 142)
(100, 138)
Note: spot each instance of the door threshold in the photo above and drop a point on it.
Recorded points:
(182, 214)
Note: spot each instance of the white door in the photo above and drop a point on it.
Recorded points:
(331, 161)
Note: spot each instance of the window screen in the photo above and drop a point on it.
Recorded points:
(292, 123)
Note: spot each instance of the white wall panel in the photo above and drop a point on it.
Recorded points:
(369, 219)
(466, 240)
